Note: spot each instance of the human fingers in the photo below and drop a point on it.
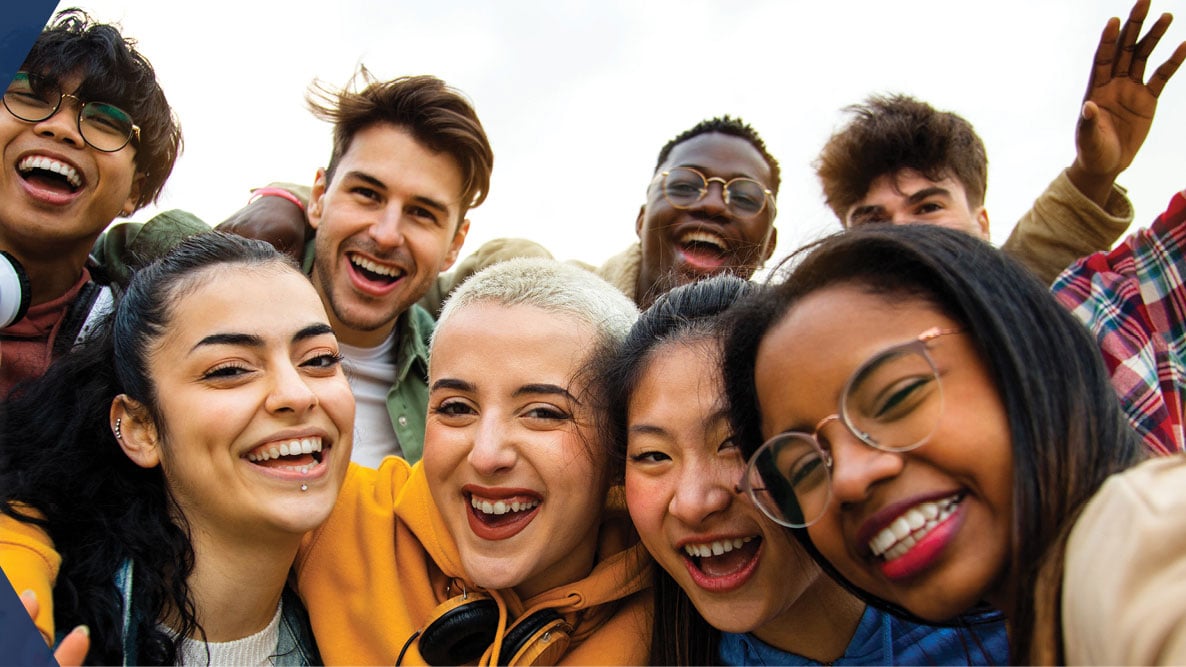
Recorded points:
(1145, 47)
(1128, 38)
(1168, 68)
(73, 647)
(1105, 55)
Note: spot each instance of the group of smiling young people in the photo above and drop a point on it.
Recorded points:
(901, 450)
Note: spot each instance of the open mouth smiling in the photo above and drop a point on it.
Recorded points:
(374, 271)
(299, 455)
(724, 564)
(912, 526)
(50, 174)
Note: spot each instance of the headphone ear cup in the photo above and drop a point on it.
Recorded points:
(539, 639)
(460, 632)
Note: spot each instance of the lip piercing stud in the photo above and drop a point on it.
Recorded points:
(304, 487)
(118, 435)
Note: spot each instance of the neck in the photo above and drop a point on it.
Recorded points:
(236, 583)
(819, 625)
(49, 277)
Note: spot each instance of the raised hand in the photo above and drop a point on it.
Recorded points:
(1118, 108)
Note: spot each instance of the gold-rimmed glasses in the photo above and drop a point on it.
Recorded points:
(683, 187)
(892, 402)
(104, 127)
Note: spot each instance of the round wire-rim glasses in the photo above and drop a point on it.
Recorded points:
(104, 127)
(684, 187)
(892, 402)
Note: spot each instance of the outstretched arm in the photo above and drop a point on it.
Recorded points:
(1118, 107)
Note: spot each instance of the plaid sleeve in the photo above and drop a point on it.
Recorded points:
(1133, 300)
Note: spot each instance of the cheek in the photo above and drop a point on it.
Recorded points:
(646, 503)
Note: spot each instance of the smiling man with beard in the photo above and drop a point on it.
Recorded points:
(409, 159)
(710, 209)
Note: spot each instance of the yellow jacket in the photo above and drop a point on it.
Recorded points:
(374, 572)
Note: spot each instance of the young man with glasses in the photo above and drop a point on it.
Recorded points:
(86, 135)
(710, 209)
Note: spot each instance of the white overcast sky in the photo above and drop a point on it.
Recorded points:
(578, 96)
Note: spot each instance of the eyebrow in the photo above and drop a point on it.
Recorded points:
(544, 388)
(927, 193)
(527, 389)
(710, 420)
(378, 184)
(706, 171)
(921, 195)
(252, 340)
(452, 383)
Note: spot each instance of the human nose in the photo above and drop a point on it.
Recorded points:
(713, 201)
(290, 392)
(702, 491)
(493, 447)
(856, 466)
(388, 230)
(62, 124)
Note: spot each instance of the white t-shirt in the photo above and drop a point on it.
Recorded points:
(371, 372)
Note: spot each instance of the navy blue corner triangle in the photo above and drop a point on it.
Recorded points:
(22, 23)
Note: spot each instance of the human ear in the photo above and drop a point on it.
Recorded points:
(642, 214)
(320, 184)
(135, 431)
(133, 200)
(771, 241)
(982, 221)
(455, 244)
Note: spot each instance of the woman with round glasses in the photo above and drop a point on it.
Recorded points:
(733, 587)
(941, 434)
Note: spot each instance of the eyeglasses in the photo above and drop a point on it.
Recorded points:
(892, 403)
(683, 187)
(103, 126)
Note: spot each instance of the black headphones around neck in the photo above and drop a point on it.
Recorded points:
(460, 630)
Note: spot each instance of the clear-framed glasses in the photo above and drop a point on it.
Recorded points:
(892, 402)
(683, 187)
(103, 126)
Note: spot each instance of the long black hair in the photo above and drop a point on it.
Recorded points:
(1067, 428)
(59, 458)
(680, 635)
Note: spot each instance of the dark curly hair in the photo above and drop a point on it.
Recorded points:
(59, 459)
(113, 71)
(734, 127)
(888, 133)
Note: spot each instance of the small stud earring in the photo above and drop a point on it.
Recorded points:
(118, 434)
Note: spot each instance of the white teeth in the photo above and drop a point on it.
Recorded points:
(499, 507)
(374, 267)
(289, 448)
(912, 526)
(704, 237)
(716, 547)
(41, 162)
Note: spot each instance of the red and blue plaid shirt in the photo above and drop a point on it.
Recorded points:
(1133, 299)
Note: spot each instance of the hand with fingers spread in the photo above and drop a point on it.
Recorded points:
(1118, 108)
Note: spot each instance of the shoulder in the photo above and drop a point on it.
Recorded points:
(1124, 577)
